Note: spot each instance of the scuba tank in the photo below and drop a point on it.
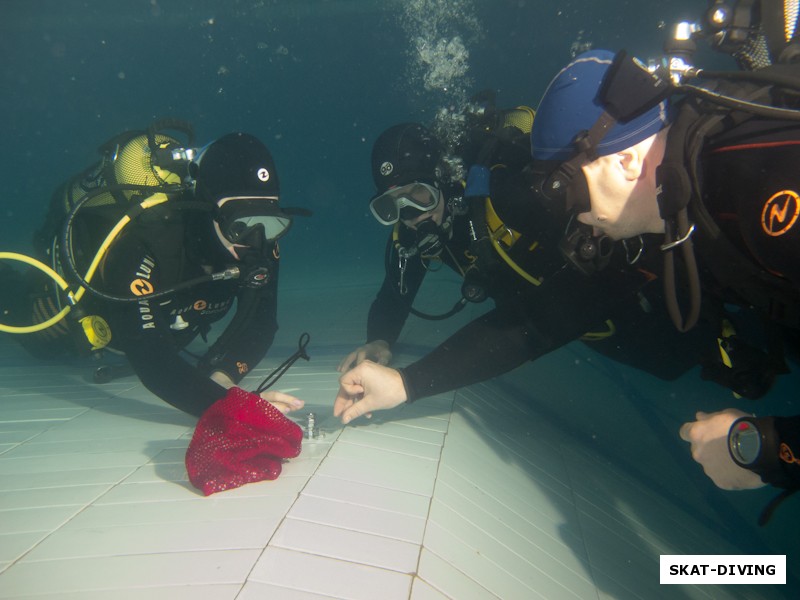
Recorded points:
(88, 213)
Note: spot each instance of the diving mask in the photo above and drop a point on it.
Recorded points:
(562, 187)
(405, 202)
(238, 216)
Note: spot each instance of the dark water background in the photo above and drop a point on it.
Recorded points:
(317, 80)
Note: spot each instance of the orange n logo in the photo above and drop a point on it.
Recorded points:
(780, 213)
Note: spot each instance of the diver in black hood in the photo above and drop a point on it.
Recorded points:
(161, 240)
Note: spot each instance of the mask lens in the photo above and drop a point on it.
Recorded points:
(409, 213)
(391, 205)
(239, 216)
(274, 227)
(576, 195)
(563, 192)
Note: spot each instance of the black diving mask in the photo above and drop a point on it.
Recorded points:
(239, 215)
(562, 187)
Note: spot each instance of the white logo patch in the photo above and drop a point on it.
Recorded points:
(387, 168)
(263, 174)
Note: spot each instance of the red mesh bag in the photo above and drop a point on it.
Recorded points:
(240, 439)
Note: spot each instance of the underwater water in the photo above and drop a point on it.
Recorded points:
(317, 81)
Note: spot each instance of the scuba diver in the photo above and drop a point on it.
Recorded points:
(707, 162)
(506, 247)
(145, 250)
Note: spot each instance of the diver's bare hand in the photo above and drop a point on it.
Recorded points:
(366, 388)
(285, 403)
(708, 436)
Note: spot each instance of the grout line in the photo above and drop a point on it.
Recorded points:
(283, 519)
(415, 574)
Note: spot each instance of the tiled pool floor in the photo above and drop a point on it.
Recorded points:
(564, 479)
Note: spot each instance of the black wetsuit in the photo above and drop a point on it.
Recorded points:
(529, 321)
(751, 190)
(152, 333)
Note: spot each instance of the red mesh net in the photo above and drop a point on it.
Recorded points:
(240, 439)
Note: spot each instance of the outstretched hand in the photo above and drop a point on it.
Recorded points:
(377, 351)
(285, 403)
(366, 388)
(708, 436)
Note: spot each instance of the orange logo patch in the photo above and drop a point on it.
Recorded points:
(200, 305)
(141, 287)
(787, 455)
(242, 367)
(780, 213)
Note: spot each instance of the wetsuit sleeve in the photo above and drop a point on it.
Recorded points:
(142, 332)
(390, 309)
(520, 329)
(155, 359)
(487, 347)
(249, 335)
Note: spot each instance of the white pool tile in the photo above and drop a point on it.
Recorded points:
(76, 495)
(327, 576)
(529, 506)
(6, 447)
(95, 502)
(72, 462)
(63, 478)
(529, 565)
(404, 431)
(371, 496)
(28, 520)
(124, 572)
(536, 539)
(395, 471)
(495, 578)
(254, 590)
(421, 590)
(12, 437)
(152, 539)
(42, 417)
(109, 446)
(347, 545)
(155, 473)
(359, 518)
(15, 545)
(217, 508)
(511, 485)
(374, 439)
(171, 592)
(443, 576)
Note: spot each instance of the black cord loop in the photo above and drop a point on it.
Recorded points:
(276, 374)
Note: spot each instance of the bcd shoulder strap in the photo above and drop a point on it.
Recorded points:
(731, 266)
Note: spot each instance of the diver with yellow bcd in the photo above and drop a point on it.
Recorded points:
(149, 247)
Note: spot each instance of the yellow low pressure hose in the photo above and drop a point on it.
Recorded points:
(73, 298)
(54, 276)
